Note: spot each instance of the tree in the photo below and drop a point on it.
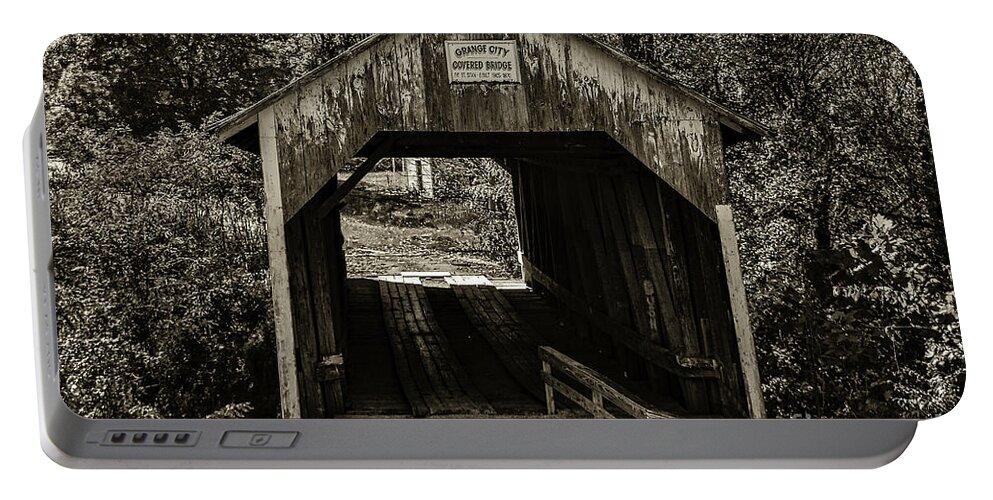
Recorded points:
(161, 280)
(145, 83)
(850, 162)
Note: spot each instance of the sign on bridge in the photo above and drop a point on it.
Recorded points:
(479, 61)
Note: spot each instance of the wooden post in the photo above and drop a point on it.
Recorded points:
(739, 312)
(282, 311)
(549, 392)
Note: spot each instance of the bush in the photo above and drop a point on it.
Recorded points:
(162, 280)
(487, 192)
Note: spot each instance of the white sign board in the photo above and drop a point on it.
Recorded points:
(492, 61)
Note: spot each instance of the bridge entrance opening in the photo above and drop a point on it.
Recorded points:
(590, 309)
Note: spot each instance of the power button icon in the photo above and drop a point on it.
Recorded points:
(258, 439)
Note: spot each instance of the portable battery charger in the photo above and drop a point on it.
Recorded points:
(486, 250)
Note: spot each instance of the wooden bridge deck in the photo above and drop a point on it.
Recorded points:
(432, 378)
(513, 340)
(445, 350)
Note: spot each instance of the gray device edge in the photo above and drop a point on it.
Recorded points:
(74, 441)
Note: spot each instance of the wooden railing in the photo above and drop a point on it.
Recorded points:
(600, 388)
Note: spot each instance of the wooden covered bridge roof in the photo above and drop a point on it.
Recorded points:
(569, 84)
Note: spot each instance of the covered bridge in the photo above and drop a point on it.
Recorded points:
(621, 203)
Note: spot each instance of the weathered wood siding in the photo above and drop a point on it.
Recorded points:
(400, 83)
(631, 250)
(316, 293)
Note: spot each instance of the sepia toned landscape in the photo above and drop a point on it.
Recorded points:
(499, 226)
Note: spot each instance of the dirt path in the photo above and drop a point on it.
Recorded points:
(388, 232)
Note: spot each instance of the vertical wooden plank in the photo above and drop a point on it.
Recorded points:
(720, 331)
(739, 311)
(612, 290)
(713, 159)
(289, 397)
(549, 392)
(614, 293)
(579, 263)
(670, 228)
(539, 215)
(674, 322)
(596, 89)
(539, 218)
(437, 91)
(311, 397)
(410, 82)
(614, 226)
(645, 243)
(324, 303)
(678, 257)
(632, 216)
(545, 76)
(705, 307)
(335, 247)
(528, 212)
(311, 137)
(385, 78)
(288, 140)
(523, 247)
(580, 266)
(561, 251)
(324, 121)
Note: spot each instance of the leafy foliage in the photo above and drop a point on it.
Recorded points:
(486, 191)
(162, 272)
(839, 220)
(144, 83)
(161, 280)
